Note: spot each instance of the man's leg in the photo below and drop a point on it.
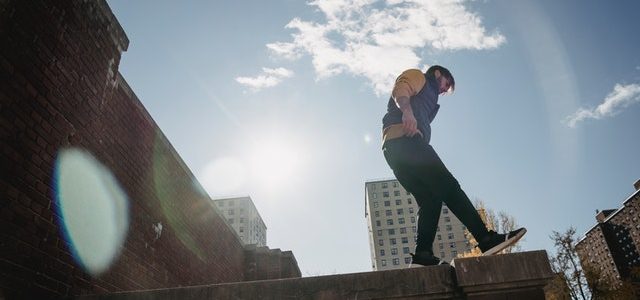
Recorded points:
(428, 211)
(446, 188)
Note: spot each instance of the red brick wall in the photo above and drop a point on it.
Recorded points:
(59, 87)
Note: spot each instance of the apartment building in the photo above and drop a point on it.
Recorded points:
(242, 215)
(391, 213)
(612, 246)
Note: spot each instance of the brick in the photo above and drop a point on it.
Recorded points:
(6, 65)
(12, 193)
(64, 66)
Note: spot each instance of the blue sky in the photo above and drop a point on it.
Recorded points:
(282, 100)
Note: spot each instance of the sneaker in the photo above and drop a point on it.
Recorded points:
(425, 259)
(496, 242)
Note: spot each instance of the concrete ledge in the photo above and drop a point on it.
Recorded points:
(510, 276)
(519, 276)
(436, 282)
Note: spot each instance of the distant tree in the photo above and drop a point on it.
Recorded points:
(576, 281)
(566, 265)
(557, 288)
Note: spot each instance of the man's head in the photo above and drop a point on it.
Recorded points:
(446, 83)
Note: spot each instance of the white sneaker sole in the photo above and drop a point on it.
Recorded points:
(510, 241)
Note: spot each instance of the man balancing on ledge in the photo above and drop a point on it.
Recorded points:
(406, 133)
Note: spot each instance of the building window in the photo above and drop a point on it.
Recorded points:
(387, 212)
(241, 229)
(387, 203)
(380, 242)
(405, 240)
(373, 187)
(381, 252)
(396, 261)
(410, 210)
(396, 194)
(441, 246)
(413, 219)
(442, 254)
(383, 262)
(403, 230)
(439, 237)
(394, 251)
(378, 223)
(445, 210)
(231, 212)
(400, 220)
(409, 200)
(400, 211)
(407, 260)
(385, 194)
(405, 250)
(449, 228)
(379, 232)
(377, 214)
(374, 196)
(438, 229)
(375, 204)
(452, 245)
(392, 231)
(413, 228)
(447, 219)
(389, 222)
(384, 185)
(393, 241)
(395, 184)
(450, 236)
(454, 253)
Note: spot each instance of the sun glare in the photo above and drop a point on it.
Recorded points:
(274, 161)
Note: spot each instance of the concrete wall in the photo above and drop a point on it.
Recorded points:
(59, 89)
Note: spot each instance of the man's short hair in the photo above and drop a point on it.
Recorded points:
(444, 72)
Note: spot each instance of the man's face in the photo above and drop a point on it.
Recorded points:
(445, 85)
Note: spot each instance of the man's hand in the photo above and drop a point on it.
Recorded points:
(409, 123)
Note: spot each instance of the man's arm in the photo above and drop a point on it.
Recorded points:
(408, 84)
(409, 123)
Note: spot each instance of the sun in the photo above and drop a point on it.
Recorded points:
(274, 161)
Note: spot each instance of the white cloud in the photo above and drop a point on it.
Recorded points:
(268, 78)
(620, 98)
(379, 39)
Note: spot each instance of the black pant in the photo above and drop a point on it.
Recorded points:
(421, 172)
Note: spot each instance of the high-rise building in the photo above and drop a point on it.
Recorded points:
(392, 215)
(612, 246)
(242, 215)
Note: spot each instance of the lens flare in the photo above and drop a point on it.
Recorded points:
(93, 209)
(172, 186)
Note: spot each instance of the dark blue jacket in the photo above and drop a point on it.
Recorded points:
(424, 105)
